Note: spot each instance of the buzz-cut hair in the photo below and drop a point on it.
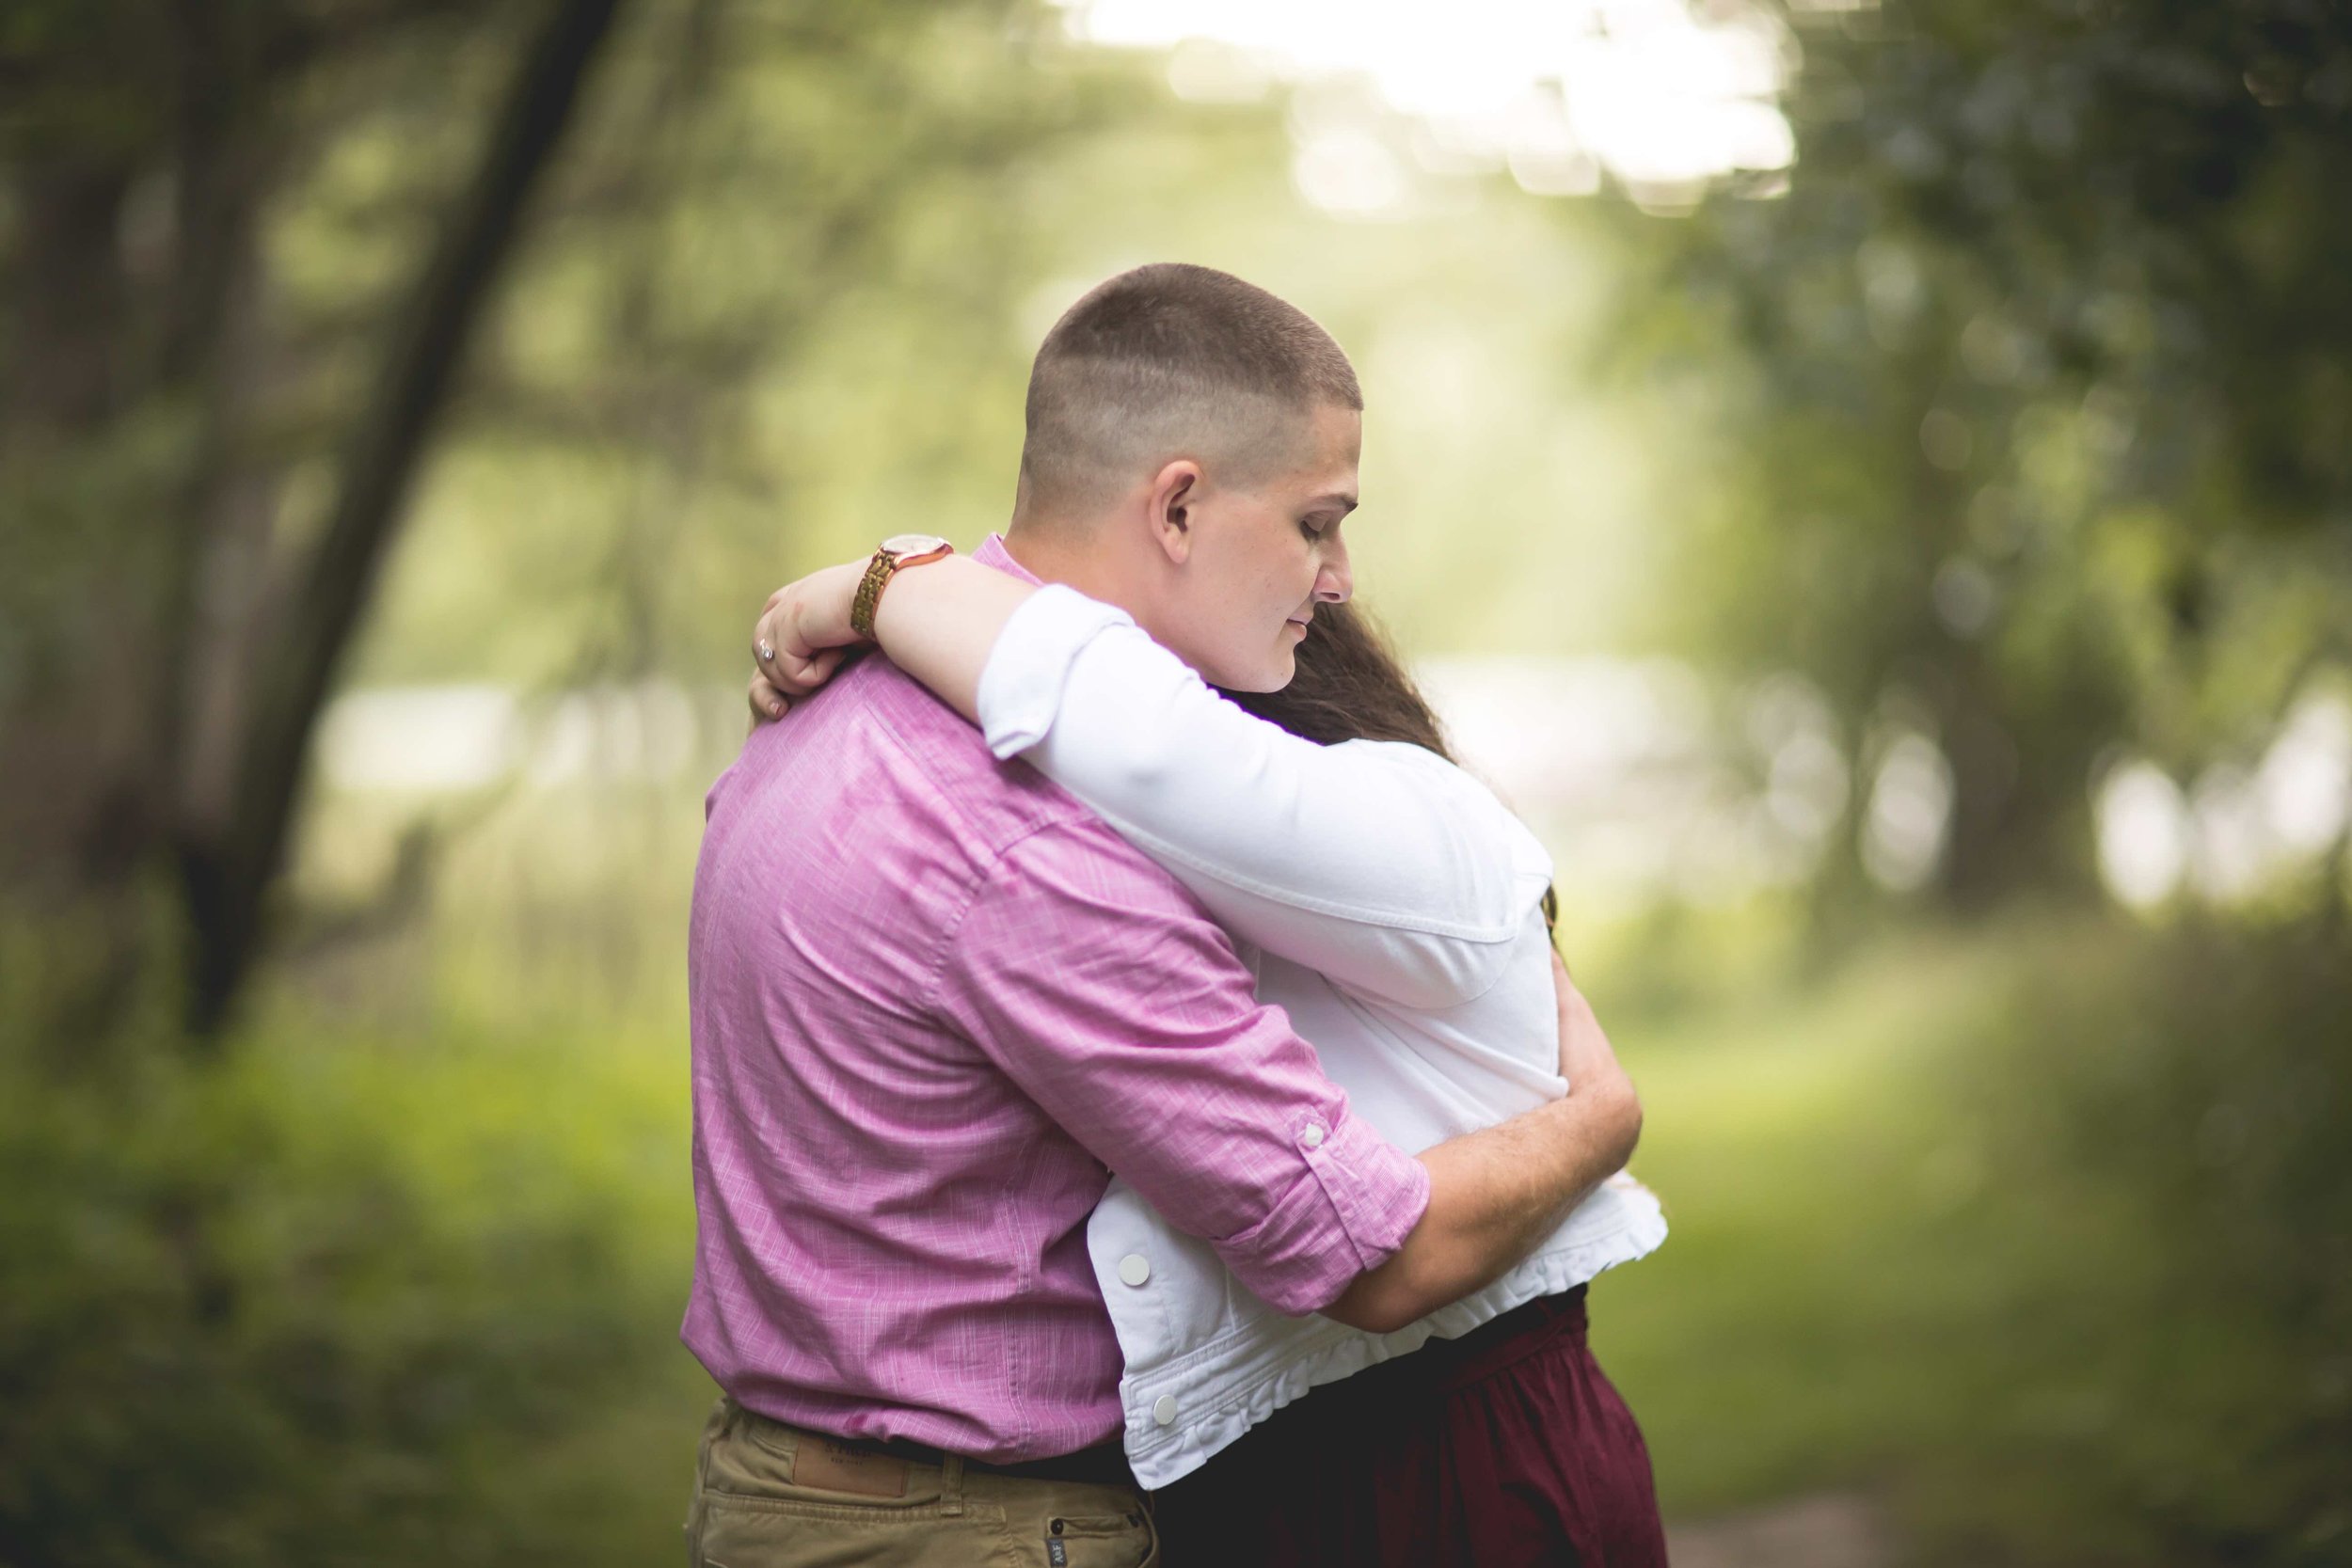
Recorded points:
(1173, 360)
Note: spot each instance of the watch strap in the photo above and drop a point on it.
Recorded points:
(894, 556)
(879, 572)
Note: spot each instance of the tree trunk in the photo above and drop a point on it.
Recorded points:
(70, 635)
(228, 875)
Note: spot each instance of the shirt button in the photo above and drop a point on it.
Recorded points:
(1133, 1269)
(1313, 1137)
(1164, 1410)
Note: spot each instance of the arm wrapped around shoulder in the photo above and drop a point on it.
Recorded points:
(1103, 989)
(1494, 1194)
(1376, 863)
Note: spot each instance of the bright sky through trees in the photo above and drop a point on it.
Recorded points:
(1664, 100)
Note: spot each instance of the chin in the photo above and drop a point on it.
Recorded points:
(1271, 675)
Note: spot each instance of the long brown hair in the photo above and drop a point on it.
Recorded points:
(1350, 686)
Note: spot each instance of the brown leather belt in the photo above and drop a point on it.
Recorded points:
(1103, 1465)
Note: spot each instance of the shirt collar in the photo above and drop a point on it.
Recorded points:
(993, 553)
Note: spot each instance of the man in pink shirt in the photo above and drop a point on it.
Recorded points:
(937, 1002)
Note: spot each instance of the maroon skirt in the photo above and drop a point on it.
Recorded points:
(1506, 1447)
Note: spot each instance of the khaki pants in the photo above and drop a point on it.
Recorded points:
(772, 1496)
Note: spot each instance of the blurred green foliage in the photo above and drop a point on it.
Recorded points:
(2018, 420)
(2038, 1234)
(345, 1300)
(2043, 438)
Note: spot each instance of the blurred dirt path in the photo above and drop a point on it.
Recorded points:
(1831, 1530)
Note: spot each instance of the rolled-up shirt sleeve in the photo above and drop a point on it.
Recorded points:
(1106, 993)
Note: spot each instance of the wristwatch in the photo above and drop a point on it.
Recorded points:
(897, 553)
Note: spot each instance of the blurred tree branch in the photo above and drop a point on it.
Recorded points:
(167, 649)
(228, 875)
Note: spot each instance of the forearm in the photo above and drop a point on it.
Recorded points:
(1493, 1196)
(937, 622)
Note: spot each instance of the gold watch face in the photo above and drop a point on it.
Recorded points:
(904, 544)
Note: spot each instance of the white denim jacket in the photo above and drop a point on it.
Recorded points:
(1388, 903)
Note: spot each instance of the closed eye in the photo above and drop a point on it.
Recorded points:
(1329, 511)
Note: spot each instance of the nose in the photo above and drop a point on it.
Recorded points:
(1335, 583)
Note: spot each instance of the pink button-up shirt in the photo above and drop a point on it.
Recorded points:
(936, 1002)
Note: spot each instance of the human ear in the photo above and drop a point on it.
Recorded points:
(1174, 489)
